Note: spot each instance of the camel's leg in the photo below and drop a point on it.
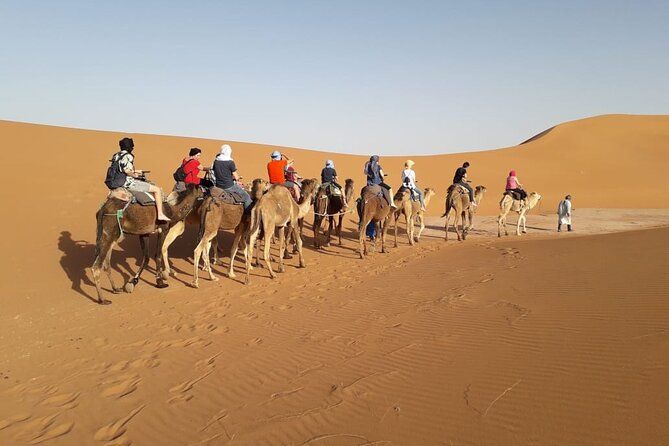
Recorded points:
(201, 249)
(339, 224)
(239, 232)
(299, 252)
(409, 222)
(248, 253)
(215, 258)
(283, 242)
(362, 228)
(207, 261)
(519, 222)
(174, 232)
(330, 225)
(463, 216)
(421, 220)
(315, 227)
(145, 259)
(524, 221)
(266, 253)
(102, 262)
(395, 218)
(383, 227)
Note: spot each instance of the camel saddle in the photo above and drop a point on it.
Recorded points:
(331, 190)
(224, 196)
(514, 194)
(412, 194)
(123, 194)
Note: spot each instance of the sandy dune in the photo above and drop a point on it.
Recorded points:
(543, 339)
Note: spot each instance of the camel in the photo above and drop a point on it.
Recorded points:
(332, 206)
(508, 204)
(278, 209)
(458, 204)
(479, 192)
(373, 207)
(413, 214)
(214, 216)
(117, 217)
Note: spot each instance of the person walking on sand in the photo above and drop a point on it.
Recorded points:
(409, 181)
(564, 213)
(374, 173)
(460, 178)
(123, 167)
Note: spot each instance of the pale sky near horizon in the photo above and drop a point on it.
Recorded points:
(347, 76)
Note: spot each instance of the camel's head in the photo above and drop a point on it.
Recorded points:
(195, 189)
(258, 188)
(310, 186)
(480, 189)
(429, 192)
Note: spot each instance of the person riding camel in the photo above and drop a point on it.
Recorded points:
(409, 181)
(276, 169)
(329, 177)
(513, 185)
(375, 175)
(227, 176)
(123, 168)
(293, 180)
(460, 178)
(191, 167)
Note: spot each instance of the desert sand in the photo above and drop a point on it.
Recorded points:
(541, 339)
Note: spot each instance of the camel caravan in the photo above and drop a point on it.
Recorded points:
(270, 211)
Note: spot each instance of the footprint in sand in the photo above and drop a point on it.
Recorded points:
(63, 401)
(254, 341)
(283, 307)
(122, 387)
(117, 428)
(187, 385)
(120, 441)
(43, 429)
(14, 419)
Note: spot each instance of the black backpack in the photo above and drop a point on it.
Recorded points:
(115, 175)
(180, 173)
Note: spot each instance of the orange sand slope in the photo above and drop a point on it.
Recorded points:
(607, 161)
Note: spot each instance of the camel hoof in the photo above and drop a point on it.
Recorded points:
(165, 275)
(281, 269)
(214, 279)
(129, 287)
(161, 285)
(104, 302)
(195, 285)
(246, 280)
(232, 275)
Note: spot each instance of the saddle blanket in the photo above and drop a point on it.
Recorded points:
(224, 196)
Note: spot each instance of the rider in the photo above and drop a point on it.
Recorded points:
(227, 177)
(375, 175)
(293, 179)
(276, 169)
(329, 176)
(460, 178)
(192, 167)
(409, 181)
(126, 161)
(513, 185)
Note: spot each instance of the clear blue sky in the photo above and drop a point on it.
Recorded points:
(348, 76)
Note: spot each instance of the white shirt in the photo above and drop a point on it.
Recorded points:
(409, 178)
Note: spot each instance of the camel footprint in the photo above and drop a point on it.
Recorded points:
(122, 387)
(117, 428)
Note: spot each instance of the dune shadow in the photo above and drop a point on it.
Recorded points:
(537, 136)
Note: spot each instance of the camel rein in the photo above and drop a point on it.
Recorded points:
(119, 215)
(333, 215)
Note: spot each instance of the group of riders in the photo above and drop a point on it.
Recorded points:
(280, 169)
